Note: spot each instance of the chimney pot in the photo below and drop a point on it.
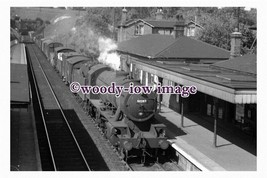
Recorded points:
(124, 16)
(122, 35)
(235, 44)
(159, 14)
(179, 26)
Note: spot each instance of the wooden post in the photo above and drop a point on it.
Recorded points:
(215, 101)
(182, 112)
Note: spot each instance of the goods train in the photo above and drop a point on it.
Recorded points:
(127, 121)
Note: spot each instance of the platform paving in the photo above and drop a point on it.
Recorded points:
(196, 141)
(24, 147)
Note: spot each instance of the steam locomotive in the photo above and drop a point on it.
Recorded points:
(127, 121)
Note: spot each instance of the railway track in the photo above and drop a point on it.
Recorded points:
(141, 167)
(155, 166)
(56, 124)
(64, 143)
(168, 165)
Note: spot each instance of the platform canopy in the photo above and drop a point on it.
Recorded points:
(18, 54)
(19, 81)
(19, 84)
(232, 86)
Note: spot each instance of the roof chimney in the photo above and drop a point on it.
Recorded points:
(121, 34)
(124, 16)
(235, 44)
(179, 26)
(159, 14)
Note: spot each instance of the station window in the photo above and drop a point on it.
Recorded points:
(209, 106)
(240, 113)
(167, 32)
(162, 32)
(249, 113)
(220, 113)
(191, 31)
(139, 29)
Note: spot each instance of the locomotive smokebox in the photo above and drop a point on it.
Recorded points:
(137, 107)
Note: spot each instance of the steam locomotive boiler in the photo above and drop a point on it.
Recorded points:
(127, 121)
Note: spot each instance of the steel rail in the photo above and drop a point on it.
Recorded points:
(43, 117)
(60, 107)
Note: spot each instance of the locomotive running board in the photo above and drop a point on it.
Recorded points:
(99, 104)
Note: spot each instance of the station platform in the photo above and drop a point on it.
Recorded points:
(195, 142)
(24, 145)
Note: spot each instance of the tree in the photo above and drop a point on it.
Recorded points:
(99, 19)
(219, 24)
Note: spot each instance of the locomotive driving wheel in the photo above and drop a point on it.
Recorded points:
(97, 117)
(86, 108)
(143, 157)
(90, 110)
(156, 155)
(124, 154)
(102, 125)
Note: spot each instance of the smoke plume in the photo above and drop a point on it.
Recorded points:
(108, 55)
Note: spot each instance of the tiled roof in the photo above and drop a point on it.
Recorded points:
(161, 23)
(146, 45)
(157, 23)
(168, 23)
(153, 23)
(165, 46)
(186, 47)
(246, 64)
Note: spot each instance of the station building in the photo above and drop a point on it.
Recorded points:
(133, 28)
(225, 81)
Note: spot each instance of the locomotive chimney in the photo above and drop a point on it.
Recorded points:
(159, 14)
(179, 26)
(235, 44)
